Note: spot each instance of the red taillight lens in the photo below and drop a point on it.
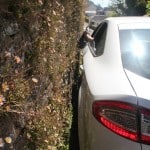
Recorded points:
(124, 119)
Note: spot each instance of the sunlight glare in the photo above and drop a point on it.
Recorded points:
(138, 48)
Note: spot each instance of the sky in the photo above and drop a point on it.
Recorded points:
(103, 3)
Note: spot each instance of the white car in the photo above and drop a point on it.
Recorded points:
(114, 96)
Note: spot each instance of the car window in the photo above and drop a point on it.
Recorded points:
(99, 38)
(135, 50)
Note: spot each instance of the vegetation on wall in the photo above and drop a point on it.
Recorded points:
(37, 60)
(129, 8)
(148, 8)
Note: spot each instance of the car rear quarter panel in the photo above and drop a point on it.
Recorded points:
(98, 137)
(105, 74)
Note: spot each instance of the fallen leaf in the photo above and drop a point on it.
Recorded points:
(28, 135)
(8, 140)
(5, 87)
(56, 135)
(49, 24)
(48, 107)
(35, 80)
(57, 3)
(52, 39)
(7, 54)
(45, 60)
(17, 59)
(7, 108)
(2, 99)
(40, 2)
(48, 19)
(51, 147)
(54, 13)
(46, 141)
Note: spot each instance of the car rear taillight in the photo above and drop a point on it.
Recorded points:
(124, 119)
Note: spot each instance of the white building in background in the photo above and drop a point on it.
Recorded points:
(90, 9)
(90, 13)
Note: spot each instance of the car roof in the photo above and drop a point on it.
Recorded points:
(120, 20)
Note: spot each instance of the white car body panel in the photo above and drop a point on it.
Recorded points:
(104, 78)
(141, 86)
(97, 70)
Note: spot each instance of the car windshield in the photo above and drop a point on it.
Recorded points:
(135, 50)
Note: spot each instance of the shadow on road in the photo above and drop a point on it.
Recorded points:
(74, 142)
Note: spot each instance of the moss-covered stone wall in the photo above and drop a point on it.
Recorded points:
(37, 58)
